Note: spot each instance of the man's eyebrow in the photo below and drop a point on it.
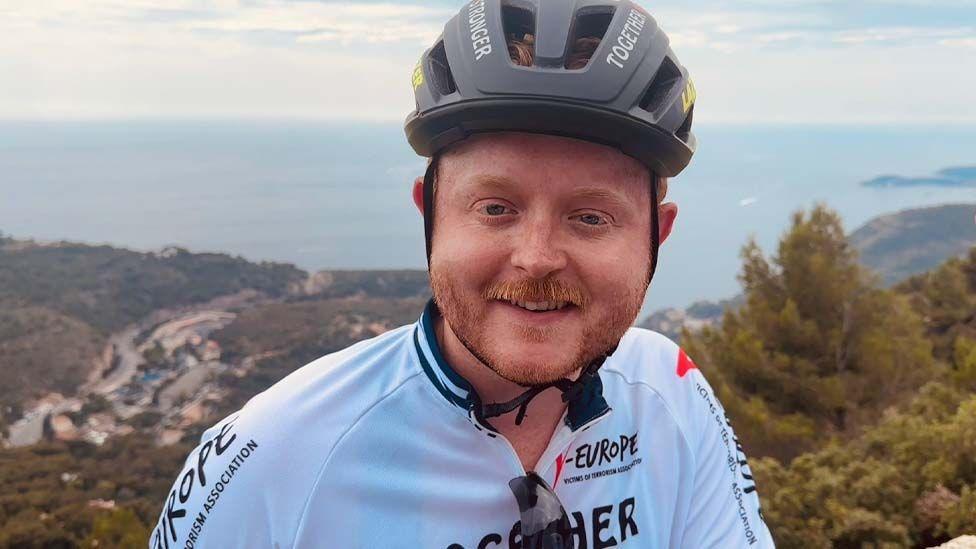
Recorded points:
(602, 193)
(481, 183)
(497, 182)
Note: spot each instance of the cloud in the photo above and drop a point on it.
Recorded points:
(900, 35)
(814, 61)
(959, 42)
(341, 22)
(729, 31)
(346, 22)
(925, 3)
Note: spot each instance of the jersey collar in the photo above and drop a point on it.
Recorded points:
(456, 390)
(448, 382)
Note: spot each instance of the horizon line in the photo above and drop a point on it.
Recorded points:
(322, 120)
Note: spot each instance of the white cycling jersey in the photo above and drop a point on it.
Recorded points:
(376, 446)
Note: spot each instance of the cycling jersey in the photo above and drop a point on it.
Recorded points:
(376, 446)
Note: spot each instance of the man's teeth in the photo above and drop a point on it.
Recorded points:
(540, 305)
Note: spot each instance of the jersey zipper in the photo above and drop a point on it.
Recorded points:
(560, 441)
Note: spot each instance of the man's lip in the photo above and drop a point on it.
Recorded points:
(528, 315)
(535, 300)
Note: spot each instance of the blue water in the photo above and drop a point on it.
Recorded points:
(329, 196)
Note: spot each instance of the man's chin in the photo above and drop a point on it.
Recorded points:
(534, 373)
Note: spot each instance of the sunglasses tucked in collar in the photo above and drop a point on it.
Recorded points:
(545, 524)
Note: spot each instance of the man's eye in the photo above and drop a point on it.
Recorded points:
(495, 209)
(592, 219)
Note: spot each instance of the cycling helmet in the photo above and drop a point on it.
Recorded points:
(633, 94)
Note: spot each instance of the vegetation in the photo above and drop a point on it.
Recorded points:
(856, 404)
(946, 300)
(817, 350)
(72, 494)
(908, 482)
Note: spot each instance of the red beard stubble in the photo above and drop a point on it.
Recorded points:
(601, 330)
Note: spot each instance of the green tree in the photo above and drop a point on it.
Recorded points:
(946, 300)
(817, 350)
(964, 362)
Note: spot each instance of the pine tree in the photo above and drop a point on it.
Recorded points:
(819, 349)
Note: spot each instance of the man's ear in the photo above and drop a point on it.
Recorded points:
(418, 194)
(666, 214)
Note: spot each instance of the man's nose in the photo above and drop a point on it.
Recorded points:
(537, 250)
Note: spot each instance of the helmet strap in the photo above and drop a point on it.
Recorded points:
(655, 226)
(578, 394)
(430, 177)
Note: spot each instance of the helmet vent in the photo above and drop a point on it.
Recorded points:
(668, 75)
(440, 70)
(589, 29)
(684, 130)
(519, 25)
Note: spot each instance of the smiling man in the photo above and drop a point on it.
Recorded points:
(522, 409)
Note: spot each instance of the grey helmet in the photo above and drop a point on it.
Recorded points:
(633, 94)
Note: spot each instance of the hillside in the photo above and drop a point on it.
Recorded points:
(914, 241)
(41, 351)
(109, 288)
(373, 283)
(60, 302)
(280, 338)
(98, 342)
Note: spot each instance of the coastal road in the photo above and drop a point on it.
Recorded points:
(128, 361)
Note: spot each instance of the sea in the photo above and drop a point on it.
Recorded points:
(337, 195)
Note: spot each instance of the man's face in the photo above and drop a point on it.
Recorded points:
(541, 251)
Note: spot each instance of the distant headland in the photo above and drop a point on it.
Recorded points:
(961, 176)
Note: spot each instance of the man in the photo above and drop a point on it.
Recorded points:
(521, 410)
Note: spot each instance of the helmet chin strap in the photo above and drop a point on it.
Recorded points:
(574, 392)
(430, 176)
(655, 227)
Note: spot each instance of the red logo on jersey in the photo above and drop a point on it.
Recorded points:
(560, 461)
(684, 363)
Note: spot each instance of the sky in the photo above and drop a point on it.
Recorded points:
(754, 62)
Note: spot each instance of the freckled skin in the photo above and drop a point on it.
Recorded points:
(524, 208)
